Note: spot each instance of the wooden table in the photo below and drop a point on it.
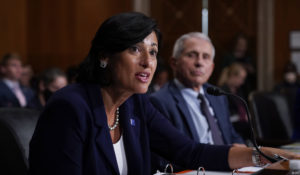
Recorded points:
(277, 168)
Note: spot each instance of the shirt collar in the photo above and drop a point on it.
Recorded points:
(181, 87)
(11, 84)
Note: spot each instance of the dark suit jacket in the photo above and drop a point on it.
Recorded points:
(72, 137)
(171, 103)
(9, 99)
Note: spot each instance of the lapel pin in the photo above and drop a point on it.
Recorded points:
(132, 122)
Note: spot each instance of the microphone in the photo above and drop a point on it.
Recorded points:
(218, 92)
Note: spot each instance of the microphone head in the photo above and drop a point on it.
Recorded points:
(214, 91)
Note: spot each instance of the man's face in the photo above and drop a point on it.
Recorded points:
(195, 64)
(58, 83)
(13, 69)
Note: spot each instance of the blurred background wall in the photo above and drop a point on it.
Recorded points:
(58, 33)
(53, 32)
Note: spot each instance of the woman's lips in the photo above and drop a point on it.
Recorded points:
(143, 76)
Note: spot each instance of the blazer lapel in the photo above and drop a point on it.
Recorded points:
(9, 93)
(181, 105)
(130, 130)
(103, 139)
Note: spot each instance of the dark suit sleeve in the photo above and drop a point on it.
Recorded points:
(56, 146)
(168, 142)
(158, 105)
(235, 137)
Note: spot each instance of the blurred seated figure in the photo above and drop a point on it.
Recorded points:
(72, 73)
(12, 93)
(231, 80)
(50, 81)
(240, 54)
(290, 80)
(160, 78)
(289, 85)
(26, 76)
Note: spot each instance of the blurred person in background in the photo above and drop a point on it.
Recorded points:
(72, 73)
(12, 92)
(26, 76)
(231, 80)
(161, 76)
(240, 54)
(290, 80)
(289, 85)
(49, 81)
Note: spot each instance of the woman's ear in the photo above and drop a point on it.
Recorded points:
(105, 70)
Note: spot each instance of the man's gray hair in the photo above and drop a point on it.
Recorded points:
(178, 46)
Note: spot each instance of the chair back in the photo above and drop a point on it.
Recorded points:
(271, 115)
(16, 129)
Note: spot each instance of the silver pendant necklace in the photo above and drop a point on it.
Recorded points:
(116, 121)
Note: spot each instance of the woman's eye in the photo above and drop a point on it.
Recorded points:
(153, 52)
(134, 48)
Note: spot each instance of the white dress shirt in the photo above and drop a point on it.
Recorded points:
(193, 104)
(121, 156)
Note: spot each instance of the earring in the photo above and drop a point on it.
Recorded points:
(103, 64)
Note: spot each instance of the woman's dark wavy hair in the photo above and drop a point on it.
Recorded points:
(116, 34)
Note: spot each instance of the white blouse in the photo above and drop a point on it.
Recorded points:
(121, 156)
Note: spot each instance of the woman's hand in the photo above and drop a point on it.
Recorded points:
(239, 145)
(283, 153)
(239, 157)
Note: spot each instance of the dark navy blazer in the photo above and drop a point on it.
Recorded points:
(72, 137)
(171, 103)
(9, 99)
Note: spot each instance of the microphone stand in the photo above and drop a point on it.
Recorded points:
(216, 92)
(277, 158)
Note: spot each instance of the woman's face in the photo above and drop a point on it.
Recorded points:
(238, 80)
(133, 68)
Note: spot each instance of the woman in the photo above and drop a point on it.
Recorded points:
(231, 80)
(240, 53)
(103, 125)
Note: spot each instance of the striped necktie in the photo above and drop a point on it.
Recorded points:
(214, 128)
